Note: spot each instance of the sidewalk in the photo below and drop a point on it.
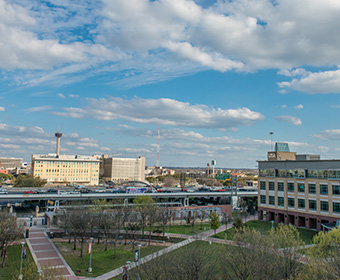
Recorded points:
(45, 253)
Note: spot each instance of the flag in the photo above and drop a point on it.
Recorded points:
(24, 252)
(90, 247)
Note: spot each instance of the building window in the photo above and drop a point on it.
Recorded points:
(290, 187)
(262, 185)
(271, 186)
(312, 204)
(301, 203)
(301, 187)
(336, 207)
(281, 173)
(336, 189)
(323, 189)
(312, 173)
(291, 202)
(324, 205)
(280, 186)
(312, 188)
(267, 172)
(271, 200)
(280, 201)
(323, 174)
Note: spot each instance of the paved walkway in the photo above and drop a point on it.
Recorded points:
(45, 253)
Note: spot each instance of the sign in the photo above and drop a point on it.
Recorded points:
(222, 176)
(90, 247)
(136, 255)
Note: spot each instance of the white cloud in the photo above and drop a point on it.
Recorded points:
(73, 95)
(163, 111)
(321, 82)
(300, 106)
(290, 119)
(158, 40)
(2, 109)
(61, 95)
(284, 106)
(329, 134)
(38, 109)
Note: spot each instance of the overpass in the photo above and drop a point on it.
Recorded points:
(183, 196)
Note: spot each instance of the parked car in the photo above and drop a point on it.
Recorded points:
(3, 191)
(52, 191)
(100, 190)
(30, 192)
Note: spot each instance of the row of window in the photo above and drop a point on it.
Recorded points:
(68, 163)
(301, 203)
(323, 188)
(300, 173)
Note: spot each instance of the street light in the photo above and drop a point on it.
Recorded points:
(139, 245)
(22, 255)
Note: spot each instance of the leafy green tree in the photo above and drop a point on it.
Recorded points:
(285, 240)
(10, 232)
(327, 251)
(215, 221)
(28, 180)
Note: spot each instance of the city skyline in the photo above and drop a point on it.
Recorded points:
(216, 77)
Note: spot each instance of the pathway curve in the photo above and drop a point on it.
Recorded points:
(45, 253)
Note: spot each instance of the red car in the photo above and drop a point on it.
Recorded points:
(29, 192)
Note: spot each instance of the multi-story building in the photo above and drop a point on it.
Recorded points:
(66, 168)
(301, 190)
(124, 169)
(10, 163)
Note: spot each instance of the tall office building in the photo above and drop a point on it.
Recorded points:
(124, 169)
(301, 190)
(66, 168)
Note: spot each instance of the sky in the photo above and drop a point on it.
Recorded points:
(213, 77)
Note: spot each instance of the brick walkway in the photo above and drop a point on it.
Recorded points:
(45, 253)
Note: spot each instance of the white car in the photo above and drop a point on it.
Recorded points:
(100, 190)
(3, 191)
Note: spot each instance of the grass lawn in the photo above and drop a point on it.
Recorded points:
(263, 227)
(102, 261)
(12, 265)
(187, 229)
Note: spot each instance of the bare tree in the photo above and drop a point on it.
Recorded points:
(202, 215)
(9, 233)
(163, 217)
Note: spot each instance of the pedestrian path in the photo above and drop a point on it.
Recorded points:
(45, 253)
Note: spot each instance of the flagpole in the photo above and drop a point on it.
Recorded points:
(90, 252)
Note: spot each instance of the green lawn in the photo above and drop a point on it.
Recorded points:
(187, 229)
(102, 261)
(263, 227)
(12, 265)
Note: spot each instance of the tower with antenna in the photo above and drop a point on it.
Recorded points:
(58, 135)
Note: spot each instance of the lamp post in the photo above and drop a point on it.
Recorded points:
(22, 255)
(90, 252)
(139, 245)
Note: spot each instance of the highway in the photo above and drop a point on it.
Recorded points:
(108, 195)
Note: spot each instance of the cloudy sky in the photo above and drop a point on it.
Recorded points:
(215, 77)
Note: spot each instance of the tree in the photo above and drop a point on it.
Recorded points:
(28, 180)
(169, 181)
(164, 216)
(326, 253)
(285, 239)
(10, 232)
(215, 221)
(202, 215)
(143, 205)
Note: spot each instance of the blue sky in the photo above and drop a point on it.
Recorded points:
(215, 76)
